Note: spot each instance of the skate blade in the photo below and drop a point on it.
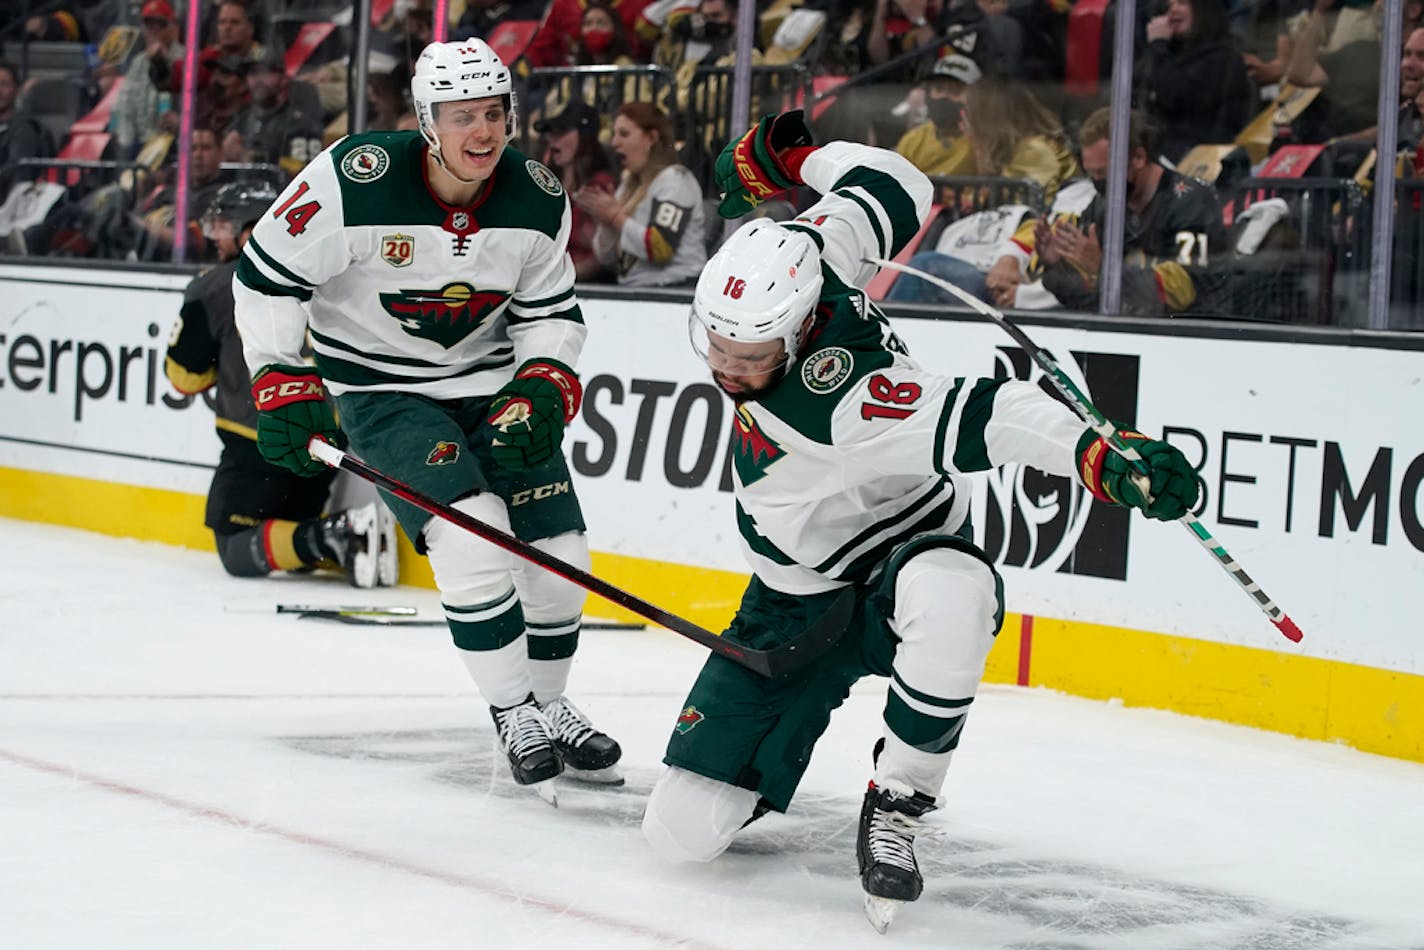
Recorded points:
(547, 791)
(881, 911)
(609, 776)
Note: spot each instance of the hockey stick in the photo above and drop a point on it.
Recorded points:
(407, 617)
(1104, 428)
(806, 647)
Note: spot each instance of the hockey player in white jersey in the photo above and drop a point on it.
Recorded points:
(433, 273)
(849, 458)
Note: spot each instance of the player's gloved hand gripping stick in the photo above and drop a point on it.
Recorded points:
(796, 653)
(1128, 478)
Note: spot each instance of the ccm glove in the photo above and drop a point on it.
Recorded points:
(763, 163)
(291, 408)
(530, 412)
(1172, 483)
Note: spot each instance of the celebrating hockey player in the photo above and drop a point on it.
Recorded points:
(433, 269)
(264, 519)
(848, 472)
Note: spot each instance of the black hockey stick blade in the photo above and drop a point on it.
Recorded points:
(781, 659)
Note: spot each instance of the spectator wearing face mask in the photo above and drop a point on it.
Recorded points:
(939, 146)
(1171, 241)
(709, 38)
(554, 42)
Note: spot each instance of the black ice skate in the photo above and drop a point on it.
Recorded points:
(526, 738)
(589, 755)
(885, 850)
(354, 539)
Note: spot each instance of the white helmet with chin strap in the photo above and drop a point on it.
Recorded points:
(452, 72)
(761, 286)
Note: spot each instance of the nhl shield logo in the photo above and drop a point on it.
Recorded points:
(397, 250)
(460, 221)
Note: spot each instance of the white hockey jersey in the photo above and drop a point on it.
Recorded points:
(401, 290)
(861, 448)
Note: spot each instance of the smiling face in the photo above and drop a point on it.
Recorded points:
(632, 144)
(1411, 66)
(472, 136)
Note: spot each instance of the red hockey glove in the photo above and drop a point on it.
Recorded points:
(291, 408)
(763, 163)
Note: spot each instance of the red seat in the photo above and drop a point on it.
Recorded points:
(308, 38)
(1085, 43)
(881, 283)
(511, 38)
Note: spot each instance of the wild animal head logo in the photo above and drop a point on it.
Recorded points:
(443, 454)
(445, 316)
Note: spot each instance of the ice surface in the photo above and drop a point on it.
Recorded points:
(181, 767)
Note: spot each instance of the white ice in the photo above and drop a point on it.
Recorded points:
(180, 767)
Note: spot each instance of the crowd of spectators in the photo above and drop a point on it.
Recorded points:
(1249, 118)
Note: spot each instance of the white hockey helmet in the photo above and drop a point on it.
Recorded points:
(452, 72)
(761, 286)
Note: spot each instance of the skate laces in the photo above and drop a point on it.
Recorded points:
(522, 729)
(892, 836)
(567, 723)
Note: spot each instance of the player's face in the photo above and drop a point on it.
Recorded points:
(745, 370)
(472, 135)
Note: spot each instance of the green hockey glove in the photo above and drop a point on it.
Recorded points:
(763, 163)
(530, 412)
(291, 408)
(1172, 484)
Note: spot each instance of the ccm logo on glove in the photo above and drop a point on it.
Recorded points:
(275, 388)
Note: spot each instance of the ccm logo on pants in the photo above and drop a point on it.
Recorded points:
(538, 494)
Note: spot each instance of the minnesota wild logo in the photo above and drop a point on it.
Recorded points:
(445, 316)
(752, 451)
(690, 717)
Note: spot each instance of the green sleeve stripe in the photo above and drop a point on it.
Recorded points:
(899, 206)
(331, 343)
(543, 301)
(970, 452)
(572, 314)
(253, 279)
(756, 542)
(874, 220)
(272, 262)
(881, 527)
(942, 429)
(810, 232)
(348, 373)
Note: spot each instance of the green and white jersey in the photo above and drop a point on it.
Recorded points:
(860, 448)
(404, 292)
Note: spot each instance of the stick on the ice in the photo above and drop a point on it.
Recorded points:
(786, 658)
(1103, 427)
(384, 618)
